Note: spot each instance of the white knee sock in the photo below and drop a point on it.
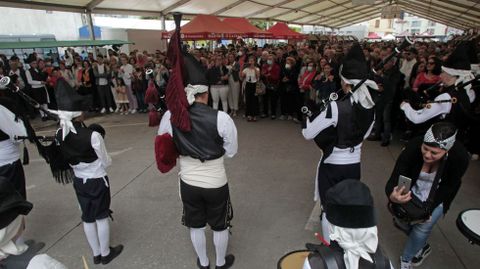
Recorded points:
(104, 236)
(220, 239)
(199, 244)
(92, 237)
(325, 228)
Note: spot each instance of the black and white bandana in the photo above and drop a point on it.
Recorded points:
(445, 144)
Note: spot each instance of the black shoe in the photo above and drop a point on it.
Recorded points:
(114, 252)
(200, 265)
(97, 259)
(44, 118)
(385, 143)
(421, 255)
(229, 259)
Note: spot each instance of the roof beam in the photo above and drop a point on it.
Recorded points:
(357, 21)
(456, 14)
(353, 18)
(339, 14)
(300, 8)
(130, 12)
(456, 3)
(174, 6)
(41, 6)
(322, 17)
(435, 19)
(220, 11)
(432, 18)
(260, 11)
(434, 14)
(94, 3)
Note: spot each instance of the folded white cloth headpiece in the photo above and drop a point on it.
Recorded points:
(357, 243)
(66, 121)
(361, 95)
(192, 90)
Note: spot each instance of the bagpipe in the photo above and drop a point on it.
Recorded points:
(48, 146)
(5, 83)
(311, 111)
(427, 96)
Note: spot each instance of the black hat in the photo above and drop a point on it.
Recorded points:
(194, 72)
(458, 59)
(472, 52)
(67, 97)
(413, 50)
(354, 64)
(349, 204)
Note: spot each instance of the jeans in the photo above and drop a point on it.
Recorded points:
(141, 100)
(419, 234)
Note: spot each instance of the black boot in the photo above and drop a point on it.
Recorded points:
(229, 259)
(200, 265)
(97, 259)
(114, 252)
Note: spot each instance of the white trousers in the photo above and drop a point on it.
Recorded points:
(234, 93)
(220, 92)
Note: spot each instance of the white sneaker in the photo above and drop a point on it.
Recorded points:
(474, 157)
(133, 111)
(405, 265)
(282, 117)
(289, 118)
(103, 111)
(110, 109)
(117, 110)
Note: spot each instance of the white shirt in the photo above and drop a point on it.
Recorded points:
(127, 71)
(101, 70)
(338, 156)
(422, 187)
(423, 115)
(10, 149)
(209, 174)
(98, 168)
(250, 74)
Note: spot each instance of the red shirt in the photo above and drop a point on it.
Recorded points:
(271, 73)
(422, 79)
(305, 81)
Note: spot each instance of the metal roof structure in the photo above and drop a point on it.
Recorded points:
(461, 14)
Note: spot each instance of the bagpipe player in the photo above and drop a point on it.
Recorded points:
(340, 130)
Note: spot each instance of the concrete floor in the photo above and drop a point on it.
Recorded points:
(271, 181)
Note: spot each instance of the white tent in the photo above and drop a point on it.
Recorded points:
(461, 14)
(388, 37)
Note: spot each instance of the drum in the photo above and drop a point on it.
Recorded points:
(293, 260)
(468, 222)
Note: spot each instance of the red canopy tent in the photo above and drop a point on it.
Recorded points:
(204, 27)
(281, 31)
(246, 27)
(373, 35)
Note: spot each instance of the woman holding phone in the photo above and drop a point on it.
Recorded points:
(420, 161)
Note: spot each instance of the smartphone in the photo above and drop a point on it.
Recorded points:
(406, 182)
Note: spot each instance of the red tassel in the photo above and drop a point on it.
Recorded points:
(153, 118)
(151, 95)
(166, 153)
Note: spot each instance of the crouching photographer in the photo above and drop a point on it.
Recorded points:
(423, 184)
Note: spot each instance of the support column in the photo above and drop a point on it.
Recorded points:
(92, 32)
(162, 22)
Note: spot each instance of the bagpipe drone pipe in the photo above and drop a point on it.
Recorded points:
(311, 110)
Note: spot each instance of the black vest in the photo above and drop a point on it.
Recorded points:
(203, 141)
(77, 148)
(331, 257)
(352, 125)
(3, 136)
(36, 75)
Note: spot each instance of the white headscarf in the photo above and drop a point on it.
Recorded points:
(463, 75)
(445, 144)
(362, 95)
(357, 243)
(66, 121)
(192, 90)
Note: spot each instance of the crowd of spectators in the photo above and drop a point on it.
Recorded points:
(273, 81)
